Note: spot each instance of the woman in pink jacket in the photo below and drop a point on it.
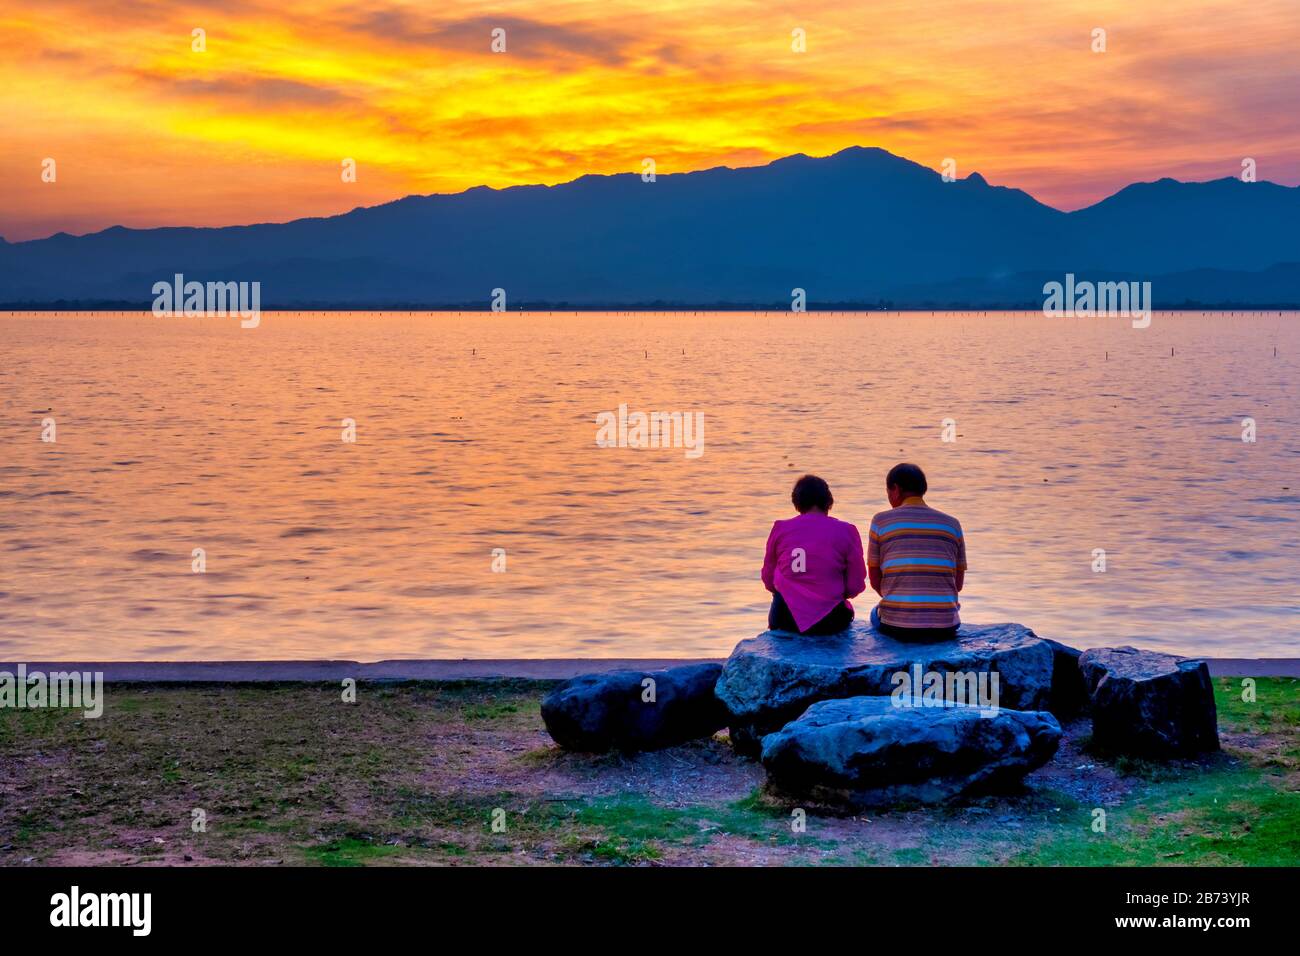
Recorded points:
(813, 565)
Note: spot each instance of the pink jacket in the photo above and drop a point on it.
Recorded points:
(815, 562)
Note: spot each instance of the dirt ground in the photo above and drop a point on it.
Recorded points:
(463, 773)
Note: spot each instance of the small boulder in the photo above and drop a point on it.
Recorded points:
(1150, 704)
(617, 711)
(868, 752)
(771, 679)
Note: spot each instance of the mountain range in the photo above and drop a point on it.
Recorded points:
(861, 227)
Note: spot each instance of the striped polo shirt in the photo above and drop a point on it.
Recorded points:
(918, 551)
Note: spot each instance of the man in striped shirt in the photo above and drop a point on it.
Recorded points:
(916, 560)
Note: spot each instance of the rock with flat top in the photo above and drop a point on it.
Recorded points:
(635, 710)
(771, 679)
(1149, 704)
(869, 752)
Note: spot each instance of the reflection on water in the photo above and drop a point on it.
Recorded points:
(478, 431)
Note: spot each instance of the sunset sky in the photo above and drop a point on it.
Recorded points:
(146, 132)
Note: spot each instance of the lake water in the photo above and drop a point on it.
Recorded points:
(477, 432)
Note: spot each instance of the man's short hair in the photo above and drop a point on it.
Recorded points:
(811, 492)
(907, 478)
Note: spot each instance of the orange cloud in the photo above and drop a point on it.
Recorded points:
(147, 131)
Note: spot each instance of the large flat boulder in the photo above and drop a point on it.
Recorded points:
(771, 679)
(1150, 704)
(635, 710)
(866, 751)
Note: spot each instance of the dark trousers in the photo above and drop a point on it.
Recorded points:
(912, 635)
(779, 618)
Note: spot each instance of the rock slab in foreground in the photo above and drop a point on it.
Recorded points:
(773, 678)
(866, 752)
(599, 712)
(1150, 704)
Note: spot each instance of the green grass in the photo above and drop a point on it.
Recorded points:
(488, 711)
(349, 852)
(1243, 809)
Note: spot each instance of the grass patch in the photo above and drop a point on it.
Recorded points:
(413, 773)
(349, 852)
(492, 711)
(1239, 808)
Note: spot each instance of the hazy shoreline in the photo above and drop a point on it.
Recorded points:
(783, 307)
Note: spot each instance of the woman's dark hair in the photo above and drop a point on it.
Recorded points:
(907, 478)
(811, 492)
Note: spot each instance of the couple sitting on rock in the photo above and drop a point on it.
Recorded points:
(916, 561)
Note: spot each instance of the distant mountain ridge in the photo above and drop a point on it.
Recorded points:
(861, 226)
